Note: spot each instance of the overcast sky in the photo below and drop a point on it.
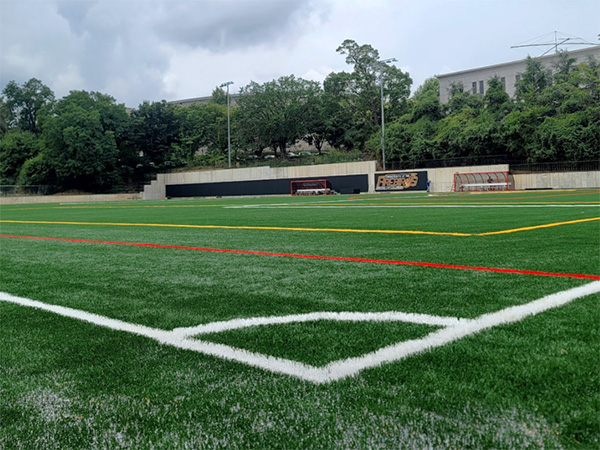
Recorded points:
(136, 50)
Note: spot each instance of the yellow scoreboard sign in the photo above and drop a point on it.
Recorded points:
(401, 181)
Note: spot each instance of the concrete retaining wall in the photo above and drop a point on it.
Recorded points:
(68, 198)
(157, 189)
(441, 179)
(558, 180)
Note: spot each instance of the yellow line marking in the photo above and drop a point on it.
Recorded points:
(536, 227)
(334, 230)
(228, 227)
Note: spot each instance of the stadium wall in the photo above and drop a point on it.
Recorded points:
(558, 180)
(350, 176)
(357, 175)
(266, 180)
(90, 198)
(441, 180)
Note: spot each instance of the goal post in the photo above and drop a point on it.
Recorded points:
(483, 181)
(311, 187)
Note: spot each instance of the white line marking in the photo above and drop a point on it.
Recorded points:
(389, 316)
(407, 206)
(453, 330)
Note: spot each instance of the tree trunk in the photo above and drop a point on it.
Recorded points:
(282, 149)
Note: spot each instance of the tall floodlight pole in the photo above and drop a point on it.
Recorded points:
(228, 124)
(381, 62)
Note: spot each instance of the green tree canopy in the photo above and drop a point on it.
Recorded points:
(218, 96)
(154, 131)
(16, 147)
(25, 101)
(277, 113)
(358, 94)
(80, 133)
(203, 128)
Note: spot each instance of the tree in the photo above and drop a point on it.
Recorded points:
(218, 96)
(563, 67)
(569, 137)
(426, 101)
(408, 139)
(203, 127)
(16, 147)
(80, 134)
(358, 94)
(342, 125)
(535, 79)
(5, 117)
(277, 113)
(24, 102)
(496, 100)
(154, 131)
(460, 99)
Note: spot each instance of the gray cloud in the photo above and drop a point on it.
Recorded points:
(139, 50)
(75, 13)
(228, 25)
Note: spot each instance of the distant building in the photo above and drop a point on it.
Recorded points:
(192, 101)
(476, 80)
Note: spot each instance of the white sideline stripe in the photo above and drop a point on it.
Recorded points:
(337, 370)
(389, 316)
(411, 206)
(96, 319)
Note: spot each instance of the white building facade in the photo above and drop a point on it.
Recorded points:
(475, 81)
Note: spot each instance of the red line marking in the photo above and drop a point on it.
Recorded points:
(329, 258)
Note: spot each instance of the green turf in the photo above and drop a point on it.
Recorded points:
(319, 343)
(67, 384)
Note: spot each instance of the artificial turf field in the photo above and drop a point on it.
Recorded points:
(391, 321)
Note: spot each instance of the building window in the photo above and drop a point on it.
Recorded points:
(481, 91)
(503, 81)
(474, 87)
(517, 78)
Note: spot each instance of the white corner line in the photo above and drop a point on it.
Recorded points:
(454, 329)
(387, 316)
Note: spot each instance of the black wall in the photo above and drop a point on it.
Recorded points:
(344, 184)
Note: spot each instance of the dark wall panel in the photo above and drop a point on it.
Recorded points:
(344, 184)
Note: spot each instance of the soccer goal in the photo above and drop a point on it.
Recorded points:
(311, 187)
(483, 181)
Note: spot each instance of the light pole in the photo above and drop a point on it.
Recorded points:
(381, 62)
(228, 124)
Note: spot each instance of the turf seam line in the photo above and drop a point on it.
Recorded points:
(321, 257)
